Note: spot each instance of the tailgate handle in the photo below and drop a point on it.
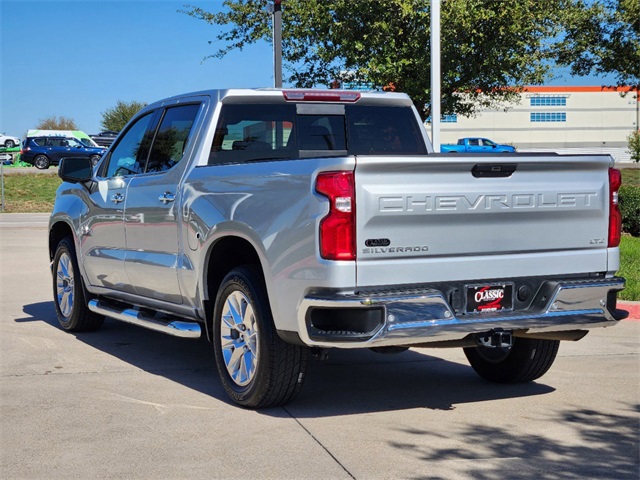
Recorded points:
(496, 170)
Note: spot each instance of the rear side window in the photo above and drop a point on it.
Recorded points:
(277, 131)
(254, 132)
(60, 142)
(172, 137)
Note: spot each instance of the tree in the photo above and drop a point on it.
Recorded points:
(57, 123)
(117, 117)
(604, 39)
(490, 48)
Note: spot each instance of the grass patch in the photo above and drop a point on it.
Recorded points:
(30, 193)
(630, 267)
(631, 176)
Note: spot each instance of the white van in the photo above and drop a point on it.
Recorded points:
(79, 134)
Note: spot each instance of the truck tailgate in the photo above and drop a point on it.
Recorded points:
(428, 219)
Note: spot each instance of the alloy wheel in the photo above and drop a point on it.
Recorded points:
(65, 285)
(239, 338)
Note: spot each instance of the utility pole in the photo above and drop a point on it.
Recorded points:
(435, 75)
(277, 43)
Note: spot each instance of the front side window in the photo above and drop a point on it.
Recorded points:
(129, 156)
(72, 142)
(171, 138)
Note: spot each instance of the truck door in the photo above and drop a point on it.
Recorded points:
(487, 145)
(103, 242)
(152, 213)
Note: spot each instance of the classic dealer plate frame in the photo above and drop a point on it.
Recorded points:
(489, 297)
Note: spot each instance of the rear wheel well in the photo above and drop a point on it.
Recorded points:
(227, 254)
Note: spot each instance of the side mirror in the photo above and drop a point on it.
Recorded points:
(75, 170)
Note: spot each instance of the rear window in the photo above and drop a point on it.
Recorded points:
(271, 132)
(379, 130)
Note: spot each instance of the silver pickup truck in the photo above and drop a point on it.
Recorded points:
(281, 223)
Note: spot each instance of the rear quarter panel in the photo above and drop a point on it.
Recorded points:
(273, 206)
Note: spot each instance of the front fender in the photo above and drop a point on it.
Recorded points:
(65, 219)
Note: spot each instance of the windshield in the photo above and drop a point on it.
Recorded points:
(87, 142)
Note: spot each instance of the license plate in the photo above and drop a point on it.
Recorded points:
(489, 298)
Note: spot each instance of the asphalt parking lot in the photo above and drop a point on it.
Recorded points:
(125, 402)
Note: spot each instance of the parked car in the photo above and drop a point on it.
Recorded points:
(8, 141)
(43, 152)
(477, 145)
(105, 139)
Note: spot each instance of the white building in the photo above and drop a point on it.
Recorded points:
(556, 118)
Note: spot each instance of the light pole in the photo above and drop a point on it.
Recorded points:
(277, 43)
(435, 75)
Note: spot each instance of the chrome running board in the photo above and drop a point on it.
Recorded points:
(177, 328)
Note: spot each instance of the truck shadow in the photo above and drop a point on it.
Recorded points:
(350, 382)
(603, 446)
(353, 382)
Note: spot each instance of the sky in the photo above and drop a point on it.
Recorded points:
(78, 58)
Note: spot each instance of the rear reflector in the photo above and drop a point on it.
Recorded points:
(320, 96)
(615, 217)
(338, 228)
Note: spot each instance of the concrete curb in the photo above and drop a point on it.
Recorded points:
(632, 307)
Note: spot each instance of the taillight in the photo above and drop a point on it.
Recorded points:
(615, 217)
(338, 228)
(321, 96)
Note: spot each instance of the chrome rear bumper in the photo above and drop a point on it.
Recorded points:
(425, 316)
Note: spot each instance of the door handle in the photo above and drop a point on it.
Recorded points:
(167, 197)
(117, 198)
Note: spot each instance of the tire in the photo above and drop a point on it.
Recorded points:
(268, 371)
(41, 162)
(9, 144)
(95, 159)
(527, 360)
(68, 294)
